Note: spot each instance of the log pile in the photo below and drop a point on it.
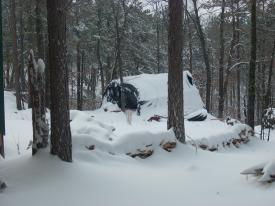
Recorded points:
(148, 150)
(243, 138)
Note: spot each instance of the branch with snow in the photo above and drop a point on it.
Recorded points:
(266, 170)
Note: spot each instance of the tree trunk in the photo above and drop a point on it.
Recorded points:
(158, 38)
(205, 55)
(82, 76)
(221, 63)
(190, 45)
(37, 92)
(39, 30)
(230, 55)
(252, 68)
(118, 61)
(78, 84)
(8, 80)
(47, 82)
(2, 106)
(16, 67)
(238, 56)
(175, 74)
(267, 98)
(22, 74)
(98, 51)
(108, 70)
(61, 141)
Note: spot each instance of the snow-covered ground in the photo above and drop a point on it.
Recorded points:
(106, 176)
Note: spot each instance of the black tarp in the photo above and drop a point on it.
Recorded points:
(131, 95)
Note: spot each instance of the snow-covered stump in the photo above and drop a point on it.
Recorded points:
(266, 171)
(37, 97)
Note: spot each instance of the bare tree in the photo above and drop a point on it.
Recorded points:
(205, 54)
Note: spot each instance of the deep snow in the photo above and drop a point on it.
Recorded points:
(107, 177)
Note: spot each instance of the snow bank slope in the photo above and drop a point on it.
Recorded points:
(102, 177)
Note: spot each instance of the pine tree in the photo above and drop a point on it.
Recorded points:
(16, 67)
(61, 141)
(221, 63)
(175, 73)
(252, 68)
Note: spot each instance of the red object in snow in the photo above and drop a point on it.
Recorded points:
(155, 118)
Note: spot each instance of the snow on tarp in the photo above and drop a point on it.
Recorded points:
(152, 88)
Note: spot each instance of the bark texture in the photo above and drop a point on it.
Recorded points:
(175, 73)
(252, 68)
(205, 55)
(15, 63)
(36, 76)
(221, 63)
(61, 141)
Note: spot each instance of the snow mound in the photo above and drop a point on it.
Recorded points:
(235, 135)
(89, 134)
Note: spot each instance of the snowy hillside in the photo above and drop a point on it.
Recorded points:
(103, 174)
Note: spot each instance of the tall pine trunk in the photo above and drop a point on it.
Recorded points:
(221, 63)
(98, 48)
(39, 30)
(175, 73)
(22, 74)
(267, 97)
(238, 56)
(252, 68)
(61, 141)
(78, 83)
(15, 63)
(158, 38)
